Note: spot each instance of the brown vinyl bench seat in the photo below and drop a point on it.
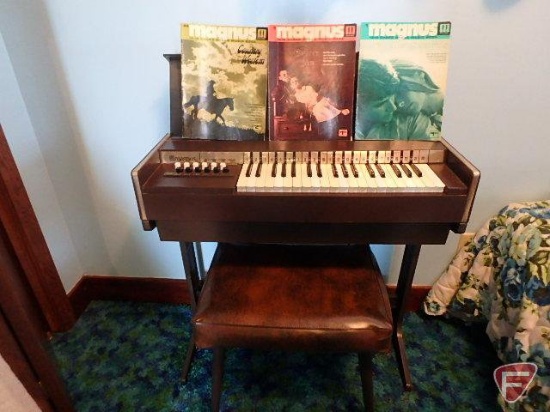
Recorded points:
(294, 297)
(314, 298)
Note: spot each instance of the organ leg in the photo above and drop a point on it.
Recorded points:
(406, 275)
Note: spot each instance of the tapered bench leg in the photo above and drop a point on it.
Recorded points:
(365, 369)
(217, 378)
(191, 351)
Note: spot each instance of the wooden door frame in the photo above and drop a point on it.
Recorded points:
(26, 239)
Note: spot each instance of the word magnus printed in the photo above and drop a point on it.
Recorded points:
(311, 32)
(405, 30)
(200, 31)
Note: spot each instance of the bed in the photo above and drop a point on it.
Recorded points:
(502, 277)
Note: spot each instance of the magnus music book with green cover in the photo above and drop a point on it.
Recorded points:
(401, 80)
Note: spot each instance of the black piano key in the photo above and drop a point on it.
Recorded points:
(354, 170)
(380, 170)
(370, 170)
(274, 170)
(283, 171)
(259, 170)
(396, 170)
(406, 170)
(309, 173)
(319, 173)
(249, 170)
(344, 170)
(416, 170)
(293, 169)
(334, 170)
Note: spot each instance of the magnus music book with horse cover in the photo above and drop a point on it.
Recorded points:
(224, 82)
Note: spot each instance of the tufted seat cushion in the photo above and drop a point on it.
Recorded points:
(312, 298)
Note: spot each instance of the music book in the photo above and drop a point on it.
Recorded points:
(224, 82)
(311, 81)
(401, 80)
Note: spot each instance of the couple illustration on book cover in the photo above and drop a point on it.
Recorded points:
(297, 101)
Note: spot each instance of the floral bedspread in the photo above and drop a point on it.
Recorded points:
(503, 277)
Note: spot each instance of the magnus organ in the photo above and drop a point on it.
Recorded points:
(328, 192)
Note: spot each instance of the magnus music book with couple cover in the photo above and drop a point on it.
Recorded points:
(311, 81)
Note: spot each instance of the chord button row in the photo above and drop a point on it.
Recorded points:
(203, 167)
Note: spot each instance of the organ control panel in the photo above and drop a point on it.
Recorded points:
(406, 180)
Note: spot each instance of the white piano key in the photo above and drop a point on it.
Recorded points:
(315, 179)
(429, 184)
(370, 182)
(325, 177)
(399, 183)
(428, 173)
(358, 178)
(259, 185)
(287, 177)
(333, 180)
(390, 177)
(342, 178)
(353, 186)
(278, 182)
(267, 178)
(413, 181)
(412, 185)
(243, 179)
(251, 181)
(380, 181)
(306, 180)
(297, 178)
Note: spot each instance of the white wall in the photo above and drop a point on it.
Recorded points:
(94, 91)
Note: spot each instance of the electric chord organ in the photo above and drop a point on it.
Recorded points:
(323, 192)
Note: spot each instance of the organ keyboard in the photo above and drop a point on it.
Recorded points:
(334, 172)
(258, 184)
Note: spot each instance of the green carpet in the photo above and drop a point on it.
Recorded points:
(125, 356)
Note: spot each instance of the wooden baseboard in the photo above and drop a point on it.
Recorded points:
(414, 300)
(175, 291)
(160, 290)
